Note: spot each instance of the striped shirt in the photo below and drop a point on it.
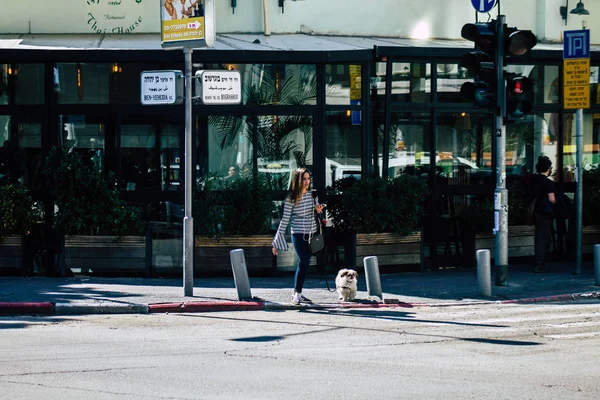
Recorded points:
(301, 216)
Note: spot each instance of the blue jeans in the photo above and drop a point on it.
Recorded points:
(304, 255)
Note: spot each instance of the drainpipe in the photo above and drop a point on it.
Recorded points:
(266, 17)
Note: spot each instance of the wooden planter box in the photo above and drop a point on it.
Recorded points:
(520, 241)
(11, 254)
(212, 256)
(104, 254)
(389, 248)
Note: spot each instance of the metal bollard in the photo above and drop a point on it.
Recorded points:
(372, 277)
(484, 273)
(240, 274)
(597, 264)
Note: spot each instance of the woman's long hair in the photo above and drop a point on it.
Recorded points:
(295, 192)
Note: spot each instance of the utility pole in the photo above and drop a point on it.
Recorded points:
(500, 193)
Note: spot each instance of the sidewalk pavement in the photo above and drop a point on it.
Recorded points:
(443, 288)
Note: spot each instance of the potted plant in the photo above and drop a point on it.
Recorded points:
(383, 213)
(18, 214)
(233, 214)
(101, 231)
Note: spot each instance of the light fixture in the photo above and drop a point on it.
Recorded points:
(116, 68)
(282, 5)
(79, 81)
(563, 11)
(233, 5)
(580, 9)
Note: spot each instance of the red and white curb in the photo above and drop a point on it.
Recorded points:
(109, 307)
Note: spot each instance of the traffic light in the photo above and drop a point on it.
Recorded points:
(519, 96)
(519, 89)
(490, 54)
(482, 62)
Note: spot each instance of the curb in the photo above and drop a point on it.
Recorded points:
(106, 307)
(27, 308)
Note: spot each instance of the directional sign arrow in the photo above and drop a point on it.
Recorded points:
(194, 25)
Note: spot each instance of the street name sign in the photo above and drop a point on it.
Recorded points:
(161, 87)
(221, 87)
(576, 67)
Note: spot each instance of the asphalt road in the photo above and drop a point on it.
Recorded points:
(503, 351)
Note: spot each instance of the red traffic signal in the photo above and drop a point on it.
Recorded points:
(519, 96)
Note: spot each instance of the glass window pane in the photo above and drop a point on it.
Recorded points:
(139, 166)
(83, 83)
(273, 84)
(20, 152)
(344, 84)
(409, 150)
(283, 143)
(450, 78)
(83, 135)
(526, 140)
(594, 92)
(464, 148)
(411, 82)
(22, 84)
(343, 147)
(545, 82)
(591, 140)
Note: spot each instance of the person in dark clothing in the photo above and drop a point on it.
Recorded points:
(543, 189)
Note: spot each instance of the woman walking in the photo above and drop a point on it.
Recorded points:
(299, 210)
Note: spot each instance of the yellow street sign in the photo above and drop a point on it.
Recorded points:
(576, 83)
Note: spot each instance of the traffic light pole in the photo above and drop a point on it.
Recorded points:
(500, 194)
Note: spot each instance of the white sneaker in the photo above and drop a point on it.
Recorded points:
(296, 298)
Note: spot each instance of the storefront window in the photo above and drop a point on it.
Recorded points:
(143, 164)
(84, 135)
(282, 143)
(526, 140)
(20, 152)
(450, 78)
(591, 143)
(464, 149)
(411, 82)
(343, 84)
(545, 81)
(409, 148)
(343, 147)
(273, 84)
(22, 84)
(594, 92)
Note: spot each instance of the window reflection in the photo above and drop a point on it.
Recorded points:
(591, 144)
(343, 147)
(281, 143)
(344, 84)
(464, 148)
(22, 84)
(84, 136)
(450, 78)
(20, 152)
(273, 84)
(409, 150)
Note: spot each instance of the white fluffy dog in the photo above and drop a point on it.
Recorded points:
(345, 284)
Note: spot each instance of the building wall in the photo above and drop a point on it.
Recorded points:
(388, 18)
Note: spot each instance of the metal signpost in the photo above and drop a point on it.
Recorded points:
(188, 29)
(576, 91)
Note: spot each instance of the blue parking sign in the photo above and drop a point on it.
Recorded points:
(577, 44)
(483, 6)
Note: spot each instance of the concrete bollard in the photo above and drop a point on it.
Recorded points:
(240, 274)
(484, 272)
(372, 277)
(597, 264)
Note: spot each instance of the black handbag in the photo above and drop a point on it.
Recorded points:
(316, 242)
